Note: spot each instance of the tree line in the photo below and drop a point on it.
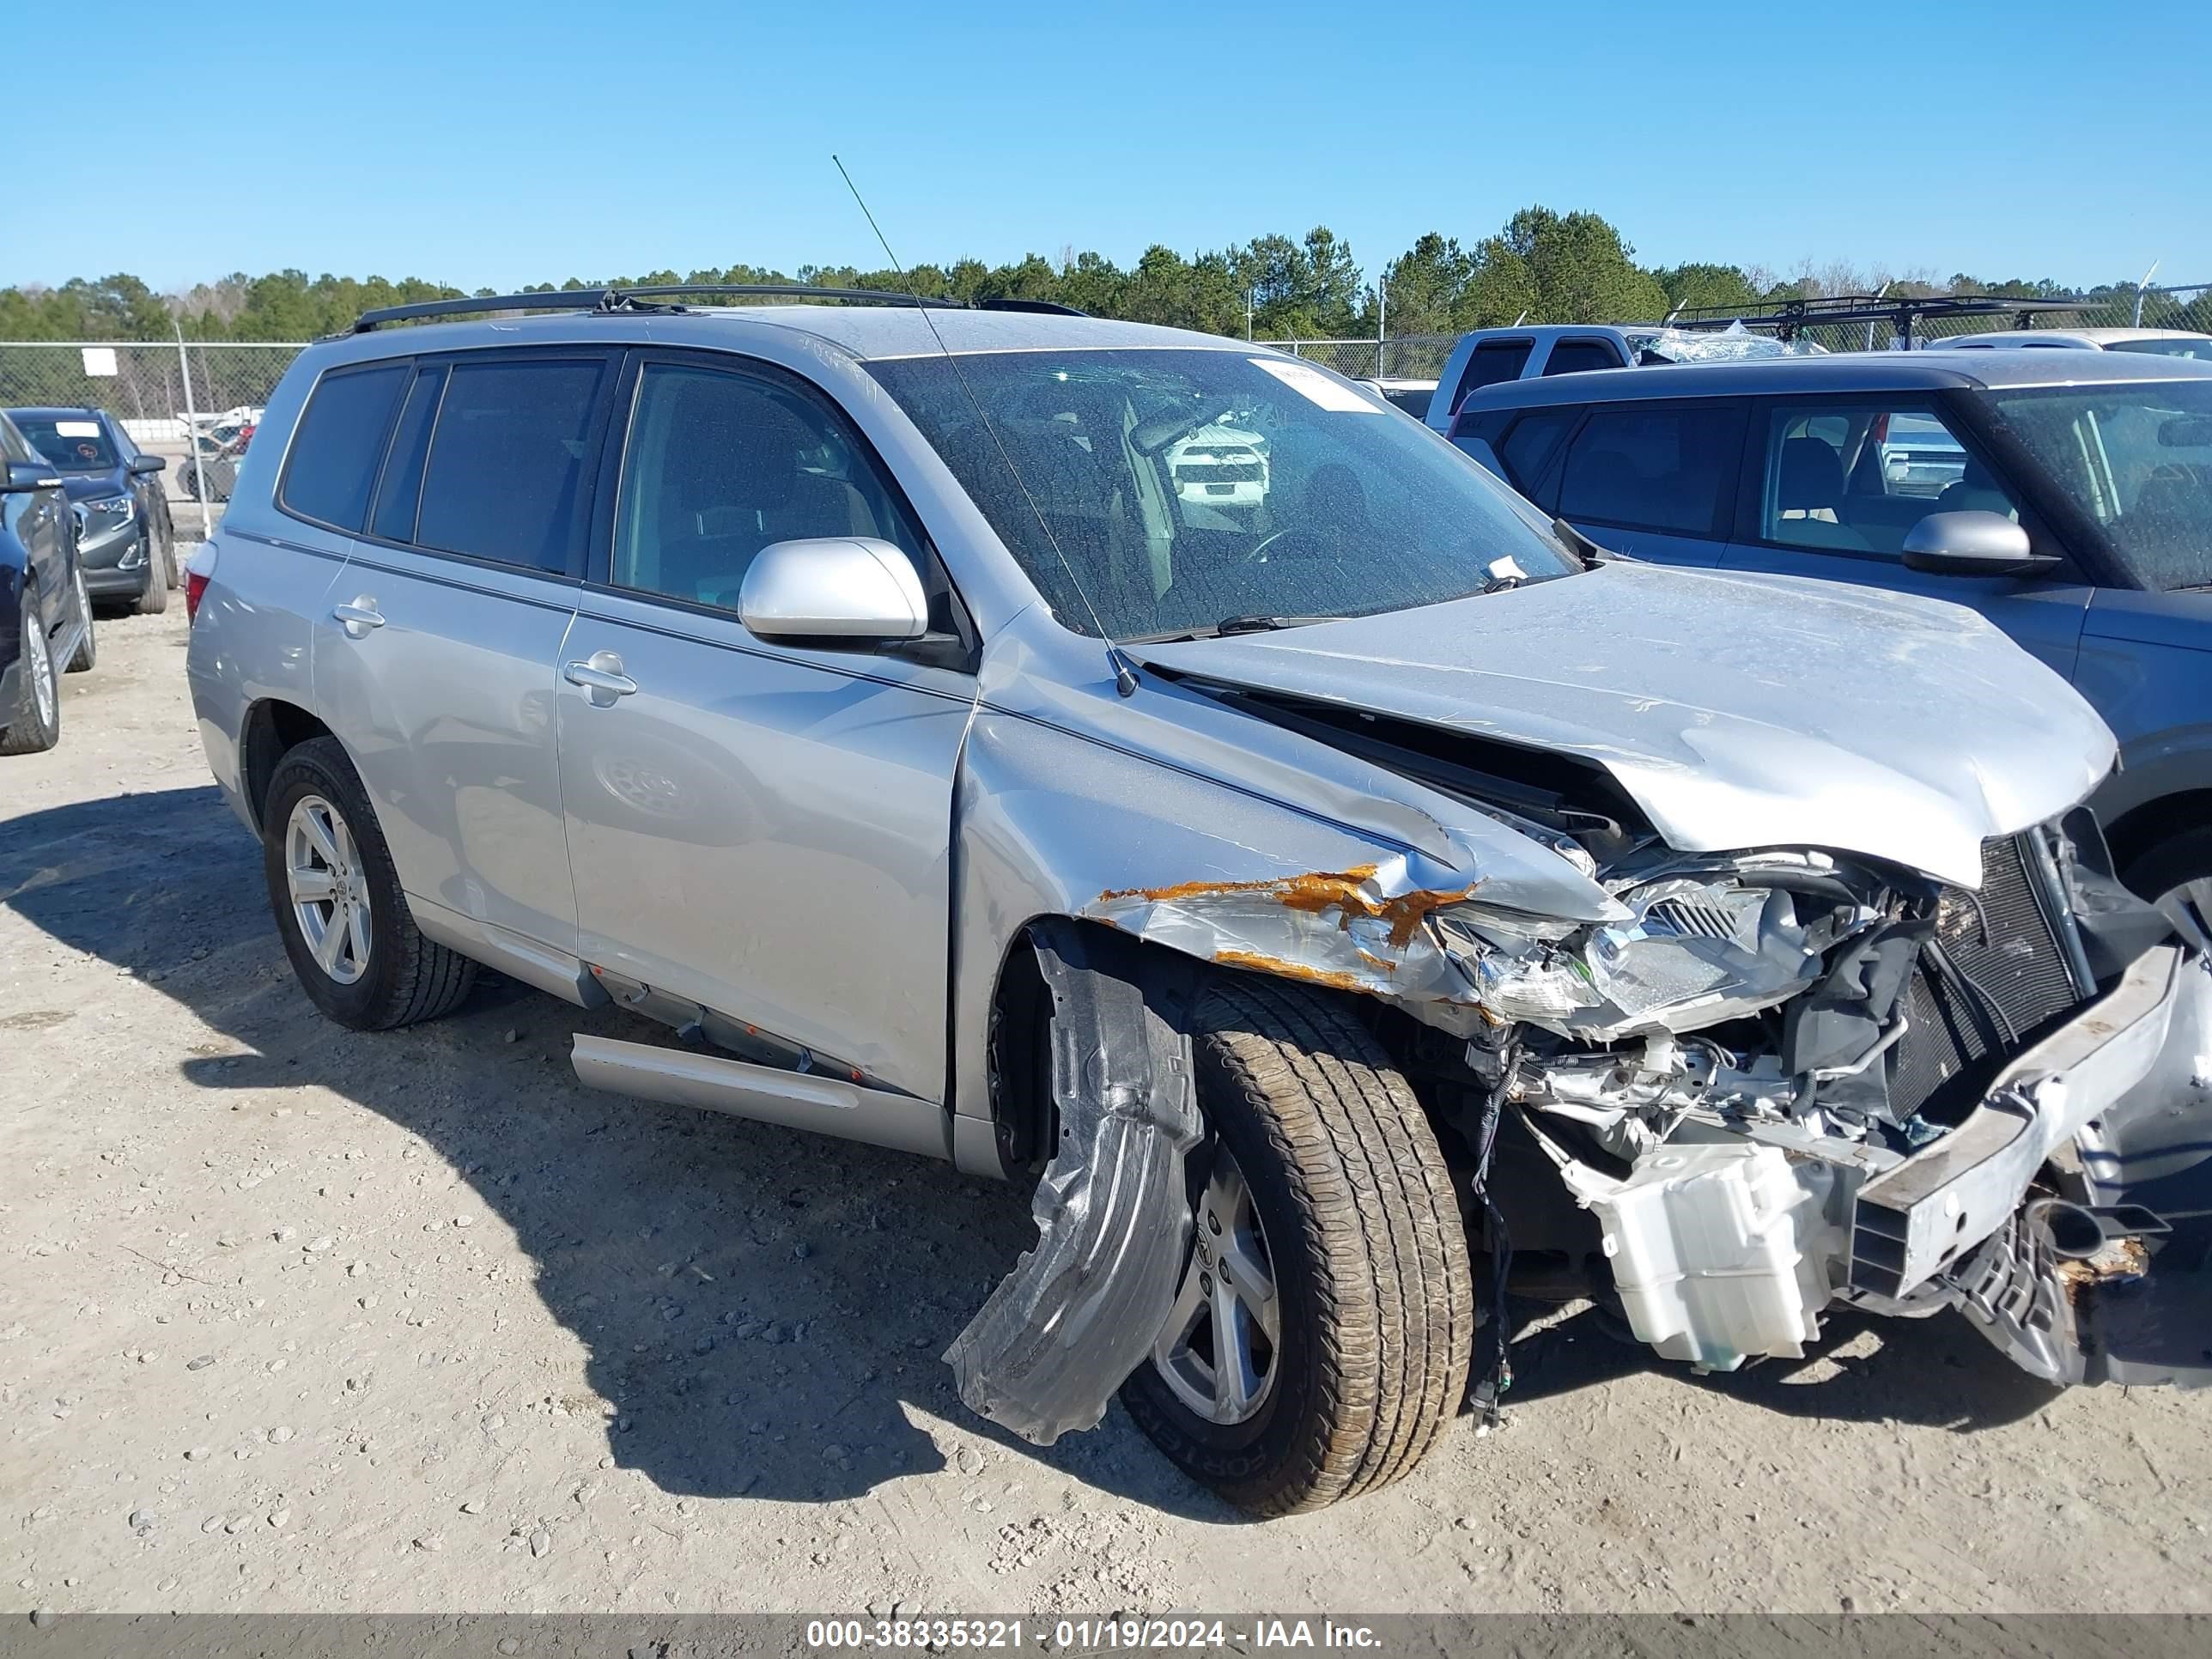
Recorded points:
(1540, 266)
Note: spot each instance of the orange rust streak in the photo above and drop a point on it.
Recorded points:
(1266, 965)
(1316, 894)
(1338, 881)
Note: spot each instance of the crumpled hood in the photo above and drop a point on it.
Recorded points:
(1737, 711)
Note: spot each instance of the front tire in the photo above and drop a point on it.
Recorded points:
(154, 595)
(345, 924)
(1319, 1190)
(2176, 875)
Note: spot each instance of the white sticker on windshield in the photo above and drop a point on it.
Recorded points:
(1318, 388)
(77, 428)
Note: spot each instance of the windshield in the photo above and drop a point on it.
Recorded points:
(1189, 488)
(2198, 346)
(2138, 459)
(70, 443)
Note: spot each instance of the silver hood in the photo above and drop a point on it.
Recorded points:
(1737, 711)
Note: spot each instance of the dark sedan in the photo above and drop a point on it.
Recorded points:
(123, 534)
(45, 615)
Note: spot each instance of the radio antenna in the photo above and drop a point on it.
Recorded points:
(1125, 670)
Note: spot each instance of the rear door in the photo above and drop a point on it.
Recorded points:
(757, 828)
(1834, 485)
(1652, 478)
(436, 664)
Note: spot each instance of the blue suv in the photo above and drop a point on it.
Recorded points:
(2066, 496)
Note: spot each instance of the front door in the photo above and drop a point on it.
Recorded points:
(760, 829)
(1834, 485)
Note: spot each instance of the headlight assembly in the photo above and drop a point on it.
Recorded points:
(118, 508)
(1695, 953)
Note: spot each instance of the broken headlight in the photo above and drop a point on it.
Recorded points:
(1695, 952)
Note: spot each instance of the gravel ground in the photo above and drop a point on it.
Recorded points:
(292, 1319)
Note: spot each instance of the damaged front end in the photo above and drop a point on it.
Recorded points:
(1792, 1080)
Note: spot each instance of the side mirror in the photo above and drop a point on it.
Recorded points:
(1971, 543)
(145, 464)
(24, 476)
(834, 588)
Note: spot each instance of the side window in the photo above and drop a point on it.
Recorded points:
(721, 466)
(1577, 357)
(504, 479)
(13, 449)
(1490, 363)
(1654, 466)
(123, 446)
(1528, 449)
(401, 491)
(1855, 479)
(340, 444)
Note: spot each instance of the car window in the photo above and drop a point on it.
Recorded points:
(1578, 356)
(505, 474)
(719, 465)
(1490, 362)
(2198, 346)
(124, 447)
(401, 492)
(1151, 492)
(68, 443)
(1528, 450)
(339, 445)
(2136, 460)
(12, 447)
(1654, 466)
(1856, 479)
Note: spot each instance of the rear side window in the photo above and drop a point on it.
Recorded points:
(340, 445)
(402, 489)
(1490, 362)
(1654, 467)
(504, 479)
(1530, 447)
(1578, 356)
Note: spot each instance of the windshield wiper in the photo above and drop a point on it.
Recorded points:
(1261, 623)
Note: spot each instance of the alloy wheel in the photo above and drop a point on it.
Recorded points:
(1217, 1351)
(328, 888)
(38, 658)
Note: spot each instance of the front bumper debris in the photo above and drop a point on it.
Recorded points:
(1080, 1312)
(2133, 1306)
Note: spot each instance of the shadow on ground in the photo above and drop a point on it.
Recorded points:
(749, 1297)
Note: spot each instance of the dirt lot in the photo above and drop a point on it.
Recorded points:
(294, 1319)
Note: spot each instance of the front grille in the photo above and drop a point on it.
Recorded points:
(2007, 947)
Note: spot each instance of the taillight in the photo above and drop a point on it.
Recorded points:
(198, 570)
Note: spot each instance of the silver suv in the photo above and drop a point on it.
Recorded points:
(1321, 895)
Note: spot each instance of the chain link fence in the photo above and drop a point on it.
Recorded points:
(196, 405)
(1405, 357)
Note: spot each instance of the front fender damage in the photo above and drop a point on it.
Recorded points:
(1080, 1312)
(1357, 929)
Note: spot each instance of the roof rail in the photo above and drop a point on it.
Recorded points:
(642, 296)
(1786, 317)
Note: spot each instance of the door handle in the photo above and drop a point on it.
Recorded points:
(360, 616)
(601, 677)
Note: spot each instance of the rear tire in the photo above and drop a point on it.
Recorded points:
(34, 724)
(1364, 1244)
(2176, 875)
(399, 978)
(88, 649)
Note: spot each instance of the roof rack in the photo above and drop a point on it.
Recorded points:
(644, 296)
(1786, 316)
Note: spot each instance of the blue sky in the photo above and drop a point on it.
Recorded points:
(498, 142)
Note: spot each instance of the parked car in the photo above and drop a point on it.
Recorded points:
(1322, 896)
(125, 540)
(209, 470)
(1413, 397)
(1489, 355)
(2089, 478)
(1219, 465)
(45, 614)
(2157, 342)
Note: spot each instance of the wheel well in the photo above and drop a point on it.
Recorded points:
(2155, 821)
(272, 728)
